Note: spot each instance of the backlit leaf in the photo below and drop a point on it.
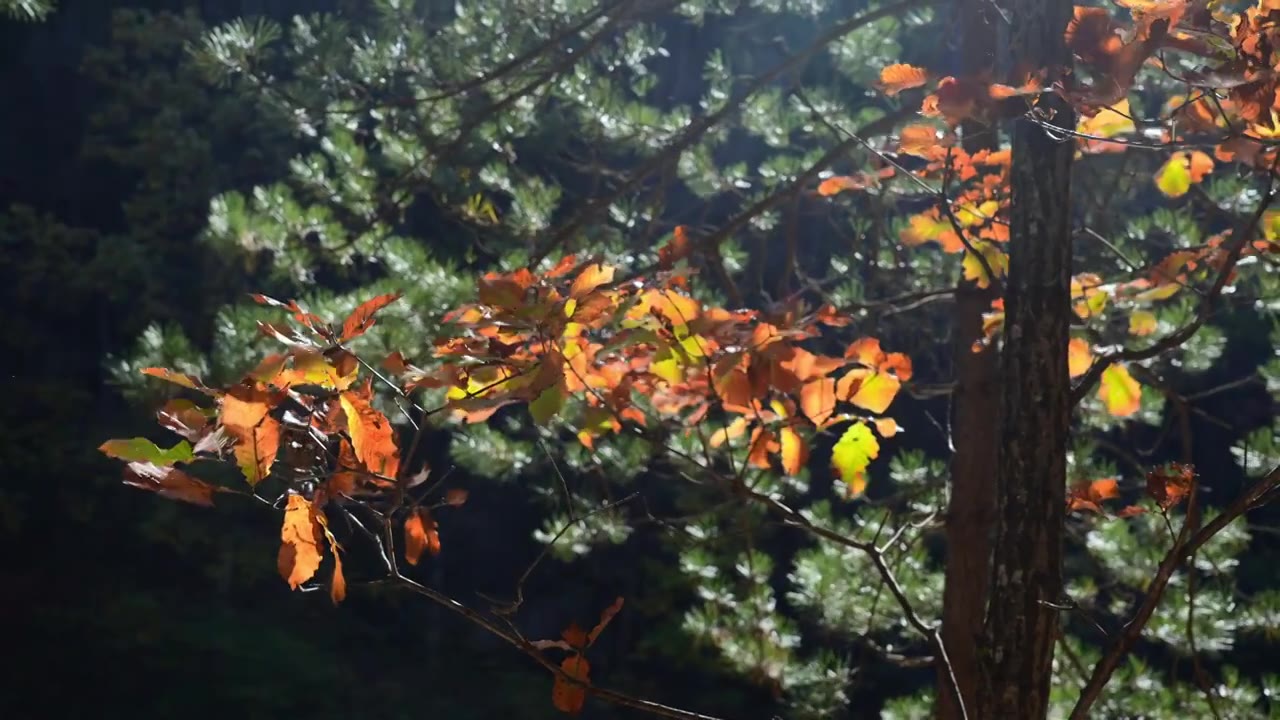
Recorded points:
(361, 319)
(143, 450)
(177, 378)
(372, 436)
(794, 451)
(1170, 484)
(1079, 357)
(1119, 391)
(1142, 322)
(300, 538)
(851, 455)
(918, 139)
(591, 277)
(420, 533)
(1181, 171)
(898, 77)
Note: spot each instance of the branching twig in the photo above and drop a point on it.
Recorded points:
(1186, 544)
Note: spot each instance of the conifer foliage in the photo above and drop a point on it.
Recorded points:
(641, 364)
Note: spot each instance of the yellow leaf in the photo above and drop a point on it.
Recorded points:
(1159, 292)
(852, 453)
(923, 228)
(877, 392)
(372, 436)
(997, 261)
(1181, 171)
(1079, 357)
(733, 430)
(794, 451)
(1109, 122)
(1142, 322)
(1119, 391)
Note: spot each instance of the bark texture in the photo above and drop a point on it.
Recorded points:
(975, 413)
(1021, 629)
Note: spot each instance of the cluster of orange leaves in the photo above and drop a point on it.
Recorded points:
(577, 332)
(1167, 486)
(638, 352)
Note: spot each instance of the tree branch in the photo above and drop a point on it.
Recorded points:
(1187, 543)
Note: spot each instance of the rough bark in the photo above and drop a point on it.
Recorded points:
(1026, 576)
(975, 411)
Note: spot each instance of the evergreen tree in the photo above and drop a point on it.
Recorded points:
(441, 144)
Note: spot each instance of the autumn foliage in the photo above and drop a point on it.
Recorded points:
(309, 434)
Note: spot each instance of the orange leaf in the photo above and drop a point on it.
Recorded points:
(1090, 495)
(361, 319)
(591, 277)
(605, 618)
(569, 696)
(896, 78)
(918, 140)
(372, 436)
(676, 250)
(338, 586)
(1079, 357)
(574, 636)
(840, 183)
(794, 451)
(887, 427)
(300, 537)
(818, 400)
(420, 534)
(169, 483)
(257, 448)
(1170, 484)
(177, 378)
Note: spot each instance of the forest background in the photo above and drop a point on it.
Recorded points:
(165, 159)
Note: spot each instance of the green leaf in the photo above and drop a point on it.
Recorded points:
(143, 450)
(852, 454)
(547, 405)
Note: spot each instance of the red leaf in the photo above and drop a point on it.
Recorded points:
(361, 319)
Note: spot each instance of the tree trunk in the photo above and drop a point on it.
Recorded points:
(1021, 624)
(975, 411)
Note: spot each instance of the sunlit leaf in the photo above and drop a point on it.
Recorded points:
(898, 77)
(794, 451)
(362, 318)
(1119, 391)
(851, 455)
(372, 436)
(300, 538)
(420, 533)
(143, 450)
(1079, 357)
(1142, 322)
